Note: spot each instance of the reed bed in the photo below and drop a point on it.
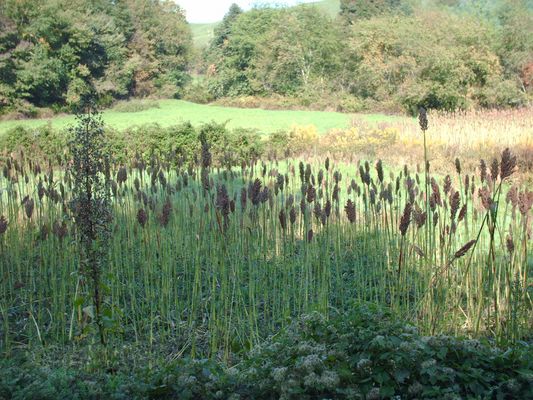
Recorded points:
(216, 259)
(469, 135)
(496, 129)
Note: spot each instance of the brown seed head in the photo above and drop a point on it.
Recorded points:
(350, 211)
(122, 175)
(486, 199)
(494, 170)
(510, 244)
(463, 250)
(3, 224)
(458, 166)
(292, 215)
(454, 203)
(327, 208)
(379, 169)
(255, 192)
(462, 213)
(420, 217)
(482, 170)
(405, 220)
(283, 219)
(142, 217)
(311, 194)
(164, 217)
(28, 207)
(508, 164)
(525, 201)
(335, 194)
(423, 119)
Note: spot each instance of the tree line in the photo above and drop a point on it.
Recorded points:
(383, 54)
(394, 55)
(52, 52)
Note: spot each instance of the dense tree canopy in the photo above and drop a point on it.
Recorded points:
(353, 10)
(54, 51)
(385, 53)
(376, 54)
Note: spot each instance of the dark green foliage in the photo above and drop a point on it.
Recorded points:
(368, 353)
(363, 354)
(91, 207)
(223, 30)
(441, 57)
(270, 51)
(229, 147)
(55, 52)
(353, 10)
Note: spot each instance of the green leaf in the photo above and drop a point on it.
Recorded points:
(401, 375)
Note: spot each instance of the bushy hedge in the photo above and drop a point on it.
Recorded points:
(180, 144)
(364, 354)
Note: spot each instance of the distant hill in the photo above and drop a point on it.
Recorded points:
(203, 33)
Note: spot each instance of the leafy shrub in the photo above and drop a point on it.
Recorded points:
(303, 138)
(365, 353)
(350, 104)
(277, 144)
(44, 141)
(501, 93)
(197, 93)
(361, 139)
(368, 354)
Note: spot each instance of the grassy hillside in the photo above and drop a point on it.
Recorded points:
(203, 33)
(172, 112)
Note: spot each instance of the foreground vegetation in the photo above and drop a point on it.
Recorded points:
(363, 354)
(233, 254)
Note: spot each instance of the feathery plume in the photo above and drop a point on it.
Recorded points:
(3, 224)
(463, 250)
(283, 219)
(405, 220)
(350, 210)
(525, 201)
(508, 164)
(423, 119)
(482, 170)
(142, 217)
(458, 166)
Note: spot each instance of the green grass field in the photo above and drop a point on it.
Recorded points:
(171, 112)
(202, 33)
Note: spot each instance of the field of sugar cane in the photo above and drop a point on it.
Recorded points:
(216, 259)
